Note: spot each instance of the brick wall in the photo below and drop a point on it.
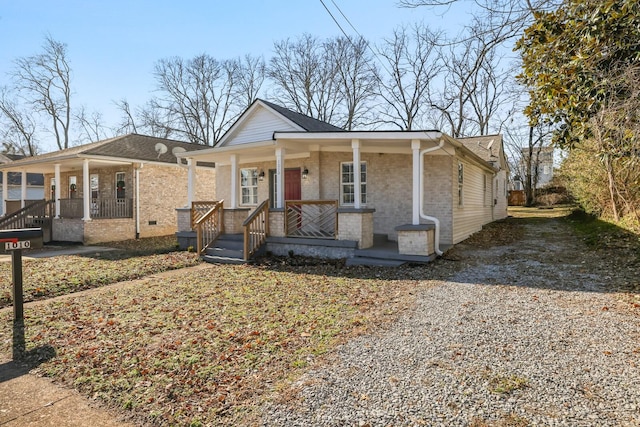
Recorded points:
(163, 189)
(109, 230)
(356, 226)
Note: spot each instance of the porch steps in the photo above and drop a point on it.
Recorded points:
(228, 249)
(373, 262)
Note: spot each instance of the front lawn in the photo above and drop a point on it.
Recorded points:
(208, 346)
(48, 277)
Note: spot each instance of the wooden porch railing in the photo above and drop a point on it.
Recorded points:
(98, 208)
(199, 209)
(256, 229)
(35, 215)
(209, 225)
(311, 218)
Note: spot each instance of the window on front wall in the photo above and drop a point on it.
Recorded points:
(121, 191)
(93, 182)
(347, 186)
(249, 186)
(460, 184)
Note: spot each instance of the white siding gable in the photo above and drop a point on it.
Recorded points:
(259, 126)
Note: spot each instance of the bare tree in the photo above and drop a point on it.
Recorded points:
(199, 97)
(18, 126)
(474, 90)
(304, 78)
(357, 79)
(44, 80)
(127, 122)
(91, 125)
(251, 74)
(411, 59)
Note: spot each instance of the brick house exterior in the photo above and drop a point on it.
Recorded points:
(117, 189)
(422, 189)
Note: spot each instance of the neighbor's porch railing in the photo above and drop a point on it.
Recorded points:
(256, 229)
(208, 225)
(98, 208)
(311, 218)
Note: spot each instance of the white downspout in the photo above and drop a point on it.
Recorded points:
(138, 200)
(435, 220)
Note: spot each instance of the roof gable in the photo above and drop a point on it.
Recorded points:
(263, 118)
(488, 147)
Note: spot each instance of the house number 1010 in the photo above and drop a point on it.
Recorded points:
(22, 244)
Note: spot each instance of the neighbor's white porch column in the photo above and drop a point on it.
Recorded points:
(415, 148)
(23, 195)
(357, 187)
(86, 190)
(56, 192)
(280, 152)
(5, 190)
(234, 181)
(191, 180)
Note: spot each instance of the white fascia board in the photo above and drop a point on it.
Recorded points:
(214, 151)
(361, 135)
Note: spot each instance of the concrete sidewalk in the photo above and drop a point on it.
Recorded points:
(28, 400)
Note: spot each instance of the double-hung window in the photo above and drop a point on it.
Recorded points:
(347, 184)
(249, 186)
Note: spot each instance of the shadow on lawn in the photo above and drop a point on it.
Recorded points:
(23, 360)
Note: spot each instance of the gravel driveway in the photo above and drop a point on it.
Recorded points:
(528, 333)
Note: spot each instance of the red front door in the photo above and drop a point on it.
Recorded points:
(292, 187)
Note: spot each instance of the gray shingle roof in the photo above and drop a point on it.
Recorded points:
(129, 147)
(307, 123)
(479, 145)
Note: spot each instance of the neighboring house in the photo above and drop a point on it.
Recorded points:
(120, 188)
(541, 167)
(294, 176)
(34, 186)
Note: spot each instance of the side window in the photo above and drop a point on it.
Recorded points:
(461, 184)
(121, 191)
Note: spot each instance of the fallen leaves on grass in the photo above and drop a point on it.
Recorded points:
(49, 277)
(207, 346)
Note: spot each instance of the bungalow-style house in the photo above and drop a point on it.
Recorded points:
(33, 189)
(291, 184)
(116, 189)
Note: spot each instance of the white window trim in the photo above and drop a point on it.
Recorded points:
(363, 194)
(254, 186)
(460, 184)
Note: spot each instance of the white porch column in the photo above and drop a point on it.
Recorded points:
(23, 194)
(280, 152)
(357, 187)
(5, 191)
(86, 190)
(234, 181)
(415, 148)
(56, 192)
(191, 181)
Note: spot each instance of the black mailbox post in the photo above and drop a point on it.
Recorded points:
(15, 241)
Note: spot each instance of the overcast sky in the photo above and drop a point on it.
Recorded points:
(113, 44)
